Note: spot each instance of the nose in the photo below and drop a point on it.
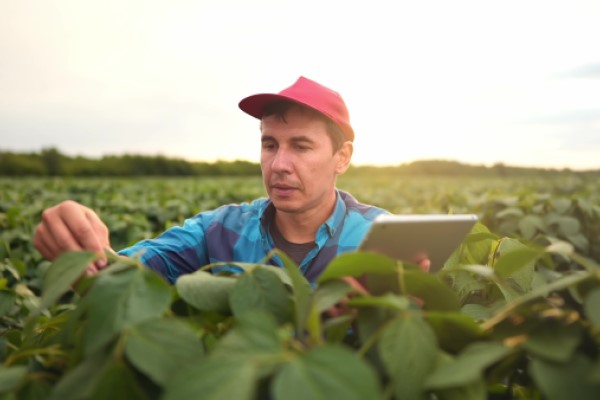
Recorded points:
(281, 161)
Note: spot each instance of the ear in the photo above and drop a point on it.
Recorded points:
(343, 156)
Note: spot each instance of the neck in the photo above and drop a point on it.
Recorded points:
(302, 227)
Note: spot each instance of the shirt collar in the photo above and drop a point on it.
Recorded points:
(337, 217)
(332, 223)
(266, 214)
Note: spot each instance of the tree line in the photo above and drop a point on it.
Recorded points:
(52, 162)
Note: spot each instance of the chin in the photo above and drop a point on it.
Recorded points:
(285, 205)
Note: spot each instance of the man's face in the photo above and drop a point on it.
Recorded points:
(298, 164)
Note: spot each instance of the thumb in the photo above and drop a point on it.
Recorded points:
(102, 235)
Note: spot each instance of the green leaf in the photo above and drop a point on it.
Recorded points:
(213, 379)
(553, 340)
(302, 292)
(19, 266)
(436, 294)
(592, 306)
(479, 233)
(117, 382)
(565, 381)
(561, 206)
(388, 300)
(160, 347)
(510, 212)
(254, 336)
(579, 240)
(326, 373)
(7, 301)
(454, 330)
(560, 247)
(467, 367)
(4, 247)
(464, 284)
(408, 349)
(247, 353)
(336, 329)
(477, 311)
(370, 324)
(118, 301)
(595, 372)
(35, 390)
(381, 284)
(473, 391)
(568, 225)
(357, 264)
(514, 267)
(206, 291)
(474, 249)
(11, 377)
(245, 267)
(330, 293)
(515, 259)
(63, 272)
(563, 282)
(529, 225)
(261, 289)
(79, 382)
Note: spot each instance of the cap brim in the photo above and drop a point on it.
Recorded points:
(254, 105)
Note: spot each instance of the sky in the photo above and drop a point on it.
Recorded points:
(480, 82)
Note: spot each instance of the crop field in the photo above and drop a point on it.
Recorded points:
(514, 313)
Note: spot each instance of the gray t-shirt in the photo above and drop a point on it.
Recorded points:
(296, 251)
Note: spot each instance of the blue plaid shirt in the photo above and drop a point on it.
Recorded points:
(240, 233)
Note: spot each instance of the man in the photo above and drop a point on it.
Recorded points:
(307, 141)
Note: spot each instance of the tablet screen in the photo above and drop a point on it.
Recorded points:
(411, 237)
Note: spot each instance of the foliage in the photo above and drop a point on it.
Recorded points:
(514, 313)
(51, 162)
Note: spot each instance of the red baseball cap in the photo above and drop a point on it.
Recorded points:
(308, 93)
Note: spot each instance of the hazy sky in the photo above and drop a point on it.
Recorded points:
(475, 81)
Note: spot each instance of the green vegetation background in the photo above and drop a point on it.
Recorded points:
(52, 162)
(517, 320)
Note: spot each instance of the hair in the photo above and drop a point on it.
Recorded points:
(280, 108)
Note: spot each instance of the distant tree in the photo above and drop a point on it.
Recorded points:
(500, 169)
(13, 164)
(53, 160)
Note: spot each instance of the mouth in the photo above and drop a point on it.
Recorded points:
(282, 190)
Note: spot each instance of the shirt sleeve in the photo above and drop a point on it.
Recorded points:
(179, 250)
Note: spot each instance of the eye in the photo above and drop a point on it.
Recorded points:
(268, 145)
(301, 146)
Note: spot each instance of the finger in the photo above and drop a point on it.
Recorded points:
(47, 241)
(101, 264)
(54, 234)
(425, 264)
(334, 311)
(81, 230)
(91, 270)
(38, 242)
(354, 284)
(418, 301)
(45, 249)
(99, 228)
(103, 237)
(60, 237)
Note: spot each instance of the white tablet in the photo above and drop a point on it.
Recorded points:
(414, 236)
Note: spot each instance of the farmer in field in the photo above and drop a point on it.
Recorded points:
(307, 141)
